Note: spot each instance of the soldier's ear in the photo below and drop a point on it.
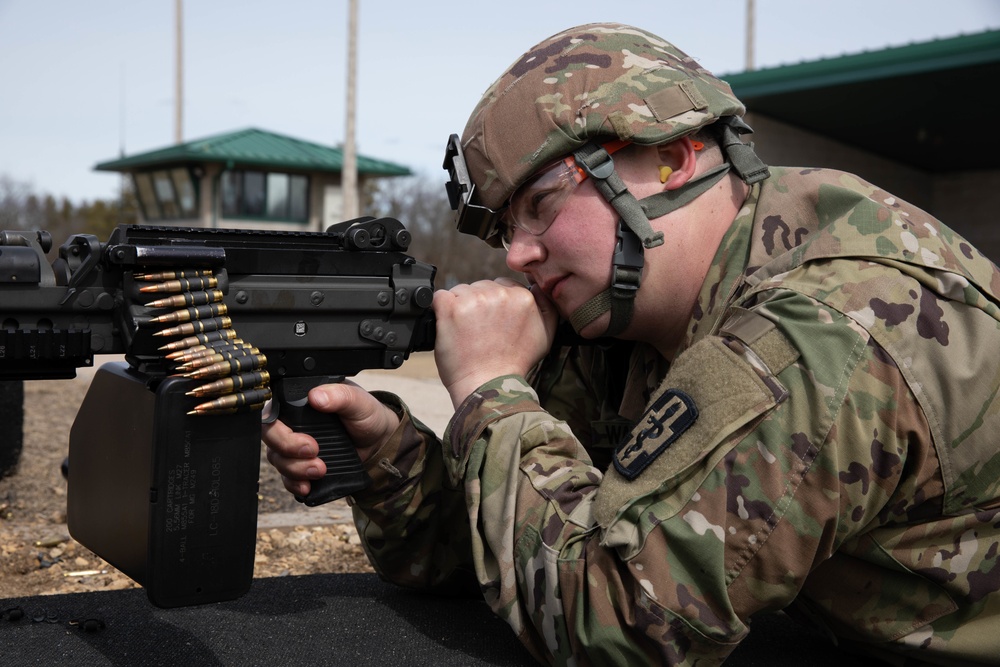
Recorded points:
(678, 160)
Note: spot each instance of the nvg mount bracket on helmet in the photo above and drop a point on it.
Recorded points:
(471, 218)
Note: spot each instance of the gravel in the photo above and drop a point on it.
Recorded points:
(38, 556)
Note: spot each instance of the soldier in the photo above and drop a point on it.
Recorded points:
(789, 398)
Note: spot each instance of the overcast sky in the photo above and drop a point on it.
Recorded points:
(82, 79)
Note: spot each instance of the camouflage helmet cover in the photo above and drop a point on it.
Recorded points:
(595, 82)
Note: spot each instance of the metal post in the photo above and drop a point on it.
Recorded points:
(349, 175)
(179, 78)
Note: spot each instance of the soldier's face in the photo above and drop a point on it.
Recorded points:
(571, 261)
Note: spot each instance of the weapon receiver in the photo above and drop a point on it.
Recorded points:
(164, 453)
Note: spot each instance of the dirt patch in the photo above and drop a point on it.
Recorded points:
(38, 556)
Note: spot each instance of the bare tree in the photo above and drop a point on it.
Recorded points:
(422, 206)
(23, 209)
(13, 195)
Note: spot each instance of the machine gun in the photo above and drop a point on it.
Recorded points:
(164, 453)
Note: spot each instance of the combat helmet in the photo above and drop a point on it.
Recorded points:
(572, 93)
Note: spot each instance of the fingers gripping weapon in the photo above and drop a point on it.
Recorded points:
(165, 450)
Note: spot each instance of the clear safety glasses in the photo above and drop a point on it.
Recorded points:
(536, 204)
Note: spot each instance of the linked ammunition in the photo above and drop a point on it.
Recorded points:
(228, 411)
(200, 339)
(231, 401)
(229, 367)
(198, 351)
(198, 326)
(182, 285)
(193, 313)
(188, 299)
(232, 383)
(210, 348)
(194, 351)
(172, 275)
(215, 358)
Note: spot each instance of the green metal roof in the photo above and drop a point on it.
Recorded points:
(253, 148)
(928, 105)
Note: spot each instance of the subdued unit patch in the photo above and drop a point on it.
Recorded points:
(663, 422)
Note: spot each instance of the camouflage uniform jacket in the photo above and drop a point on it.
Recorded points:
(824, 439)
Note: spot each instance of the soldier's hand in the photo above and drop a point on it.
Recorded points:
(296, 455)
(488, 329)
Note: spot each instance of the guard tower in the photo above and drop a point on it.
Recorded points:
(247, 178)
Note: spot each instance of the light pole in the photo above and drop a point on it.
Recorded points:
(179, 75)
(349, 175)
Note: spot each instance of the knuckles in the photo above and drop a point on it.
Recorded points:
(484, 296)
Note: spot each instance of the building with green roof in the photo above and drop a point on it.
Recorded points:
(247, 178)
(916, 120)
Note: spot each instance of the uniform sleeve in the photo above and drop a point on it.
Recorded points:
(412, 521)
(737, 482)
(412, 526)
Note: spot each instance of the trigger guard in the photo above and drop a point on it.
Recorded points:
(269, 413)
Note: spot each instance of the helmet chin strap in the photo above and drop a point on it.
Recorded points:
(634, 230)
(619, 298)
(634, 234)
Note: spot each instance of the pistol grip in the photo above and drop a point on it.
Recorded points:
(344, 472)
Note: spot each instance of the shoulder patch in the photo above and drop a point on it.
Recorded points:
(663, 422)
(708, 398)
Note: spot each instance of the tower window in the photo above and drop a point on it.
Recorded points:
(265, 195)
